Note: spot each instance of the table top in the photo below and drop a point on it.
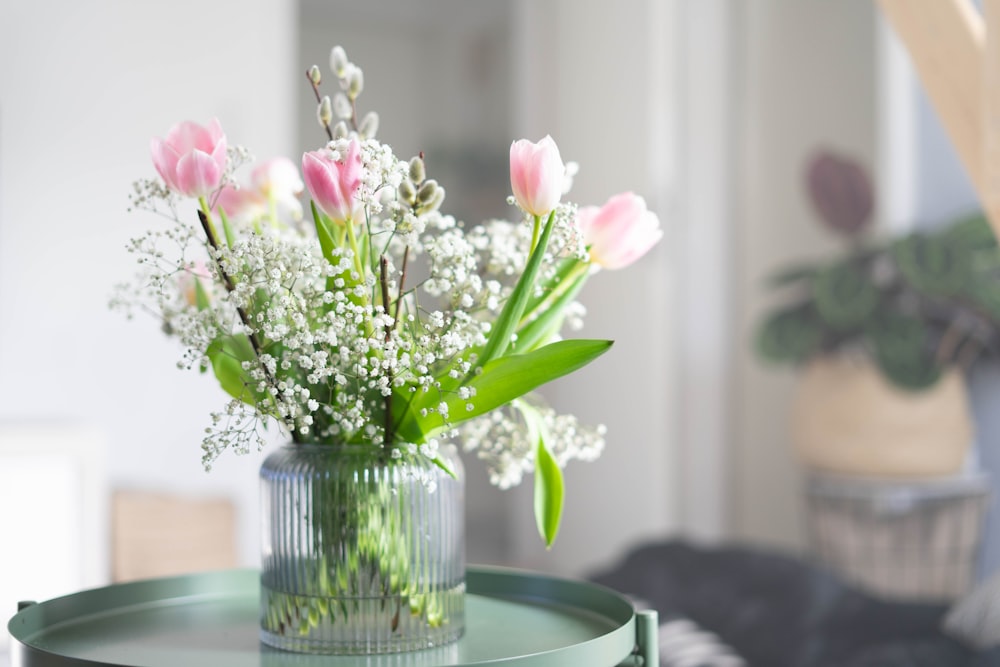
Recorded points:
(512, 618)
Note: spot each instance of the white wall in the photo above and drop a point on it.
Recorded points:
(807, 72)
(596, 81)
(83, 87)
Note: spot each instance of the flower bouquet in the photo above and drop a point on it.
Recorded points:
(379, 327)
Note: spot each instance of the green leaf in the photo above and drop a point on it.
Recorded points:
(499, 382)
(227, 228)
(564, 270)
(793, 275)
(510, 317)
(437, 460)
(549, 490)
(549, 322)
(323, 233)
(227, 356)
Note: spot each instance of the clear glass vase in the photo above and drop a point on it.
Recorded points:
(361, 553)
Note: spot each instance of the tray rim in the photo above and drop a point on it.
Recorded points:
(608, 648)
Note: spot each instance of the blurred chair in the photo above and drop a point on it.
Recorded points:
(158, 535)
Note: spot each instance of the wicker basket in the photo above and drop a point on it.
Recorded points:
(912, 539)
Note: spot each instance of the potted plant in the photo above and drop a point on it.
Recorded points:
(883, 334)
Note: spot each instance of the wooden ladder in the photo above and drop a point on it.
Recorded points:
(956, 51)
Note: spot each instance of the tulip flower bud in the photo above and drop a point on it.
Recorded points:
(427, 191)
(355, 82)
(340, 130)
(314, 75)
(342, 106)
(333, 184)
(417, 171)
(369, 125)
(338, 60)
(536, 175)
(324, 113)
(192, 158)
(407, 191)
(620, 232)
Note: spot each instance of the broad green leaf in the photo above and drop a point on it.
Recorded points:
(500, 381)
(227, 356)
(506, 324)
(227, 229)
(323, 232)
(547, 324)
(549, 490)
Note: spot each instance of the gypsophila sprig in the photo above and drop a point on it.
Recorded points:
(323, 323)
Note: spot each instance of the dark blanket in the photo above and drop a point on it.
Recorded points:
(777, 611)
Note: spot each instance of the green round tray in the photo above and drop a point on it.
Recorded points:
(512, 618)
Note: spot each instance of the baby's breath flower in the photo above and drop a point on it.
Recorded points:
(328, 328)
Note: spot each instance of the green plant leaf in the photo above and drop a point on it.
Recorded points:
(500, 381)
(845, 295)
(791, 335)
(323, 232)
(793, 274)
(933, 265)
(550, 321)
(549, 488)
(538, 297)
(509, 318)
(227, 356)
(227, 229)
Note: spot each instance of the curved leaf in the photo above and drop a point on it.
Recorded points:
(510, 316)
(549, 493)
(227, 356)
(499, 382)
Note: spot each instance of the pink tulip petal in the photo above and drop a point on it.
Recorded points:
(334, 184)
(536, 175)
(198, 174)
(165, 160)
(620, 232)
(176, 161)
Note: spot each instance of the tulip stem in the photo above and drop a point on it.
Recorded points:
(534, 233)
(353, 240)
(571, 277)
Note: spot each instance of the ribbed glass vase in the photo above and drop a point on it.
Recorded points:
(361, 553)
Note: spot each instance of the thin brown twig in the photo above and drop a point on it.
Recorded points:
(384, 275)
(319, 100)
(230, 287)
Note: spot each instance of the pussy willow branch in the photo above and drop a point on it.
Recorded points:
(230, 287)
(319, 100)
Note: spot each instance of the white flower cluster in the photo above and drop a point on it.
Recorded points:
(503, 440)
(332, 336)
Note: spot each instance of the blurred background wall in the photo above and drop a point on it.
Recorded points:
(707, 108)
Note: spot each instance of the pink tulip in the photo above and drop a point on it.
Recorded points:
(537, 175)
(241, 205)
(619, 232)
(333, 184)
(192, 159)
(277, 178)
